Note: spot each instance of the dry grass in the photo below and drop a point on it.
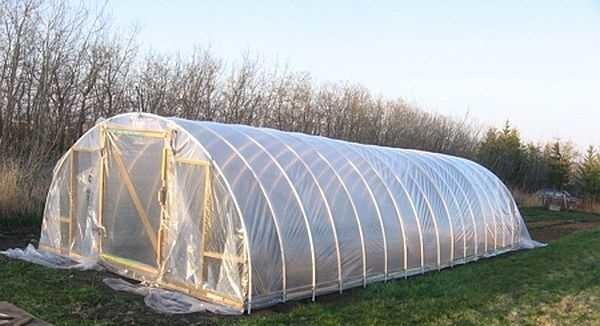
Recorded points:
(590, 206)
(9, 193)
(22, 190)
(526, 199)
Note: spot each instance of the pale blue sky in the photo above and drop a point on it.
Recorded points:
(536, 63)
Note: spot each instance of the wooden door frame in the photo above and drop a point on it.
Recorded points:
(205, 226)
(155, 239)
(141, 270)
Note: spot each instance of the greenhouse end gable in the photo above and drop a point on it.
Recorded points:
(249, 217)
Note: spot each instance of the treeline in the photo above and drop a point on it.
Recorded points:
(531, 167)
(63, 67)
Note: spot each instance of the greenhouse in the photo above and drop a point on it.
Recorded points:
(249, 217)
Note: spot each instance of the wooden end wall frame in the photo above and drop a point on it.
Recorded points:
(136, 269)
(157, 239)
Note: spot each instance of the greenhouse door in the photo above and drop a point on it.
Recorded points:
(133, 198)
(201, 263)
(190, 189)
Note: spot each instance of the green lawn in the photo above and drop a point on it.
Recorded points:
(537, 214)
(559, 284)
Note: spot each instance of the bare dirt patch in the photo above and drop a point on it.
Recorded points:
(552, 230)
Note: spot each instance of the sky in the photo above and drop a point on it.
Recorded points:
(535, 63)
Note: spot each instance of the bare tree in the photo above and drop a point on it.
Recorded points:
(63, 66)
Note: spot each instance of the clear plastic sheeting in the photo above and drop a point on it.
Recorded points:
(168, 302)
(162, 301)
(248, 217)
(39, 257)
(532, 244)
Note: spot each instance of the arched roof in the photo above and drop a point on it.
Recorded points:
(322, 215)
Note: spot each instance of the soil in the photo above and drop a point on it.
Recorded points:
(545, 231)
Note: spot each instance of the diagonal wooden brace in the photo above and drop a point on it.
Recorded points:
(136, 199)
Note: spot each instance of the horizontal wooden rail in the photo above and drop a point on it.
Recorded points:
(217, 255)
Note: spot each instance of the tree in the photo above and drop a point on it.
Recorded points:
(502, 152)
(534, 168)
(560, 157)
(588, 175)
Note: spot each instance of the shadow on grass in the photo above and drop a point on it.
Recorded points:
(20, 224)
(18, 231)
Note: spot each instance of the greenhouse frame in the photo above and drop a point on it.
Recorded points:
(249, 217)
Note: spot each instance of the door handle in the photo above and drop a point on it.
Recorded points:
(162, 196)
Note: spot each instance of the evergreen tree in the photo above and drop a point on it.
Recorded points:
(588, 175)
(560, 157)
(502, 152)
(535, 168)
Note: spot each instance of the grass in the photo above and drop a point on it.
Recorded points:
(62, 297)
(558, 284)
(538, 214)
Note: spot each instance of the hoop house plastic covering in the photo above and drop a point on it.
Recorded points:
(249, 217)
